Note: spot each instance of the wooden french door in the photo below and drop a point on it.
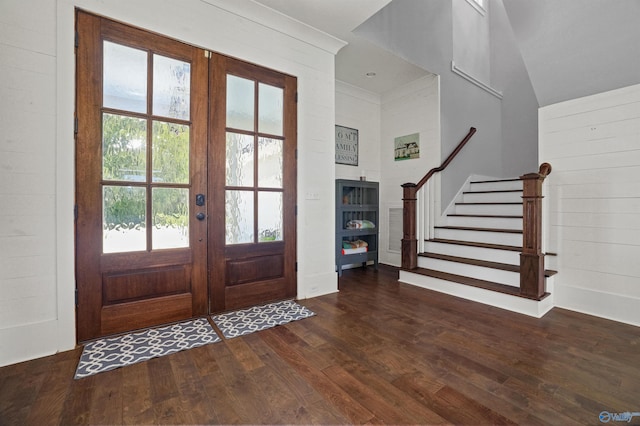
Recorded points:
(141, 252)
(182, 208)
(252, 173)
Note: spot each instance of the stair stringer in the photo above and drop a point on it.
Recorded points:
(521, 305)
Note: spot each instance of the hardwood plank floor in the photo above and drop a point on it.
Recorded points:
(378, 351)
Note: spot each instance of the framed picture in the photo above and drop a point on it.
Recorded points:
(346, 146)
(407, 147)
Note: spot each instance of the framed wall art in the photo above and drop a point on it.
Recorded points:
(407, 147)
(346, 146)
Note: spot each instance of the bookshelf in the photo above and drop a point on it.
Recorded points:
(357, 216)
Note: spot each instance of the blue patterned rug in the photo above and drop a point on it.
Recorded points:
(245, 321)
(110, 353)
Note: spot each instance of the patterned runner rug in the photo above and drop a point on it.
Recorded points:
(245, 321)
(113, 352)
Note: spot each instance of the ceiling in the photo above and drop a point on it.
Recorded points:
(575, 48)
(359, 57)
(571, 48)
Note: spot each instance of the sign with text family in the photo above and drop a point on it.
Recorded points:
(346, 146)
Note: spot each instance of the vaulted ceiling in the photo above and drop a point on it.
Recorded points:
(574, 48)
(571, 48)
(359, 57)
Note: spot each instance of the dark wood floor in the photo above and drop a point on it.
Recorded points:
(376, 352)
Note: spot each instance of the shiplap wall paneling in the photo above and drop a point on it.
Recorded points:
(593, 144)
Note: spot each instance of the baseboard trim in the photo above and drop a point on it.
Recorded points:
(317, 285)
(610, 306)
(27, 342)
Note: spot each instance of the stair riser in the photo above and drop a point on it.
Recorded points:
(473, 271)
(496, 186)
(516, 304)
(551, 262)
(492, 197)
(480, 236)
(549, 284)
(489, 209)
(485, 222)
(480, 253)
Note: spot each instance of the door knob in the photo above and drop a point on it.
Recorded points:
(200, 216)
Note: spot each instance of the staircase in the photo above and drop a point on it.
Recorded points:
(475, 250)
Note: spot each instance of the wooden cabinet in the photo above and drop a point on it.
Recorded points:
(357, 222)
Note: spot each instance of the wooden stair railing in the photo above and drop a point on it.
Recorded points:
(532, 258)
(532, 268)
(409, 198)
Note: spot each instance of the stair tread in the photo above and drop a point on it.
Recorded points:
(476, 244)
(478, 262)
(496, 180)
(469, 228)
(510, 203)
(492, 192)
(473, 282)
(496, 216)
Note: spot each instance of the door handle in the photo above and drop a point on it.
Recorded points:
(200, 216)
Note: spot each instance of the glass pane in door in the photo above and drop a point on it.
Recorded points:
(240, 103)
(171, 87)
(124, 148)
(238, 217)
(170, 211)
(269, 216)
(170, 161)
(124, 78)
(270, 109)
(123, 219)
(270, 157)
(239, 160)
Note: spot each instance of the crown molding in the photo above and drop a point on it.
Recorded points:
(357, 92)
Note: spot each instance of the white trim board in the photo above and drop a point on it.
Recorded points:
(614, 307)
(459, 71)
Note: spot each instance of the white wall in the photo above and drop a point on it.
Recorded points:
(37, 315)
(431, 34)
(412, 108)
(471, 39)
(359, 109)
(593, 145)
(408, 109)
(519, 106)
(28, 246)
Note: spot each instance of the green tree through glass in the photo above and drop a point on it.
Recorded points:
(125, 142)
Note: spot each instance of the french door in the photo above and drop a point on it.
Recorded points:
(185, 180)
(252, 173)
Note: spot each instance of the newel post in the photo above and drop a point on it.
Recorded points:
(532, 258)
(409, 240)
